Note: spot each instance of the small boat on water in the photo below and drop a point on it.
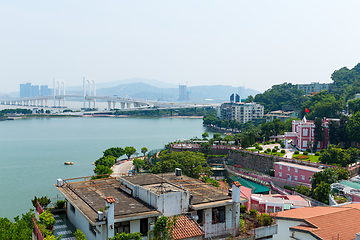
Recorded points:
(68, 163)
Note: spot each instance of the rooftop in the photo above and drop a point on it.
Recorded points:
(298, 166)
(186, 228)
(202, 192)
(89, 196)
(324, 221)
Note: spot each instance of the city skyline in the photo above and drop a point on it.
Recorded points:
(249, 44)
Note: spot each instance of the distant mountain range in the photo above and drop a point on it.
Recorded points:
(149, 89)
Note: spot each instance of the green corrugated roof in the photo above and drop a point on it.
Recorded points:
(351, 184)
(255, 187)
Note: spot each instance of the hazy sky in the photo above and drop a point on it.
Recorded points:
(202, 42)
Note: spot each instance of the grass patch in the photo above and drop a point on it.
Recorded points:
(274, 154)
(312, 158)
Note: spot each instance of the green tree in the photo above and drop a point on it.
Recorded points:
(333, 132)
(47, 218)
(353, 128)
(101, 169)
(43, 201)
(354, 106)
(107, 161)
(338, 156)
(127, 236)
(114, 151)
(205, 135)
(138, 163)
(191, 163)
(321, 192)
(217, 137)
(129, 151)
(163, 228)
(19, 229)
(304, 190)
(144, 150)
(80, 235)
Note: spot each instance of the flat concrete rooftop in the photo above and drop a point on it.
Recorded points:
(89, 196)
(202, 192)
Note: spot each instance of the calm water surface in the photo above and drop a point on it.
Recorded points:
(33, 151)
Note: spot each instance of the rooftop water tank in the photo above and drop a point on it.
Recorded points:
(59, 182)
(177, 172)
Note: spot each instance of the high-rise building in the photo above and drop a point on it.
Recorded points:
(35, 91)
(182, 93)
(232, 98)
(25, 90)
(241, 112)
(45, 90)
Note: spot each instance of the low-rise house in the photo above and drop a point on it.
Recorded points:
(295, 172)
(319, 223)
(133, 203)
(281, 115)
(276, 202)
(302, 134)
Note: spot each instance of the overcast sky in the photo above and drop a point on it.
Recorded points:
(255, 44)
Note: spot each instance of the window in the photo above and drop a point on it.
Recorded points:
(200, 214)
(302, 177)
(295, 178)
(122, 227)
(280, 167)
(288, 168)
(305, 132)
(144, 226)
(218, 215)
(280, 174)
(92, 229)
(296, 170)
(305, 144)
(72, 208)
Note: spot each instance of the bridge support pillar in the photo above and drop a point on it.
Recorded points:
(114, 104)
(123, 105)
(109, 105)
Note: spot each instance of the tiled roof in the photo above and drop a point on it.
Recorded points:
(186, 228)
(327, 222)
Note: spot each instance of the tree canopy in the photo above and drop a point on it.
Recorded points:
(192, 164)
(129, 151)
(114, 151)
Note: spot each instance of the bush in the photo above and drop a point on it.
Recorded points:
(259, 148)
(305, 153)
(243, 209)
(322, 150)
(265, 219)
(289, 188)
(282, 145)
(296, 152)
(317, 154)
(43, 201)
(274, 150)
(60, 204)
(47, 218)
(283, 151)
(308, 150)
(253, 212)
(268, 150)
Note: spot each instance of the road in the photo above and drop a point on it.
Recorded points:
(122, 168)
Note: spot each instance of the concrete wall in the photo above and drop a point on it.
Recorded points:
(267, 231)
(293, 172)
(253, 161)
(80, 222)
(218, 229)
(283, 229)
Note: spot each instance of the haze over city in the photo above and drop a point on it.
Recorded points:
(252, 44)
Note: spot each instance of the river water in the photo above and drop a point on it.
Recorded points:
(33, 151)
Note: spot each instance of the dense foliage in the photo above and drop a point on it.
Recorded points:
(19, 229)
(192, 164)
(114, 151)
(280, 95)
(43, 201)
(17, 111)
(127, 236)
(338, 156)
(163, 228)
(320, 183)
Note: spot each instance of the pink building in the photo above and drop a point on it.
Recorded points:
(277, 203)
(302, 134)
(295, 172)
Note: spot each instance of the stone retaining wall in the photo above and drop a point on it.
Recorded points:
(252, 161)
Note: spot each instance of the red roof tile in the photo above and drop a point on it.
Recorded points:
(110, 199)
(327, 222)
(186, 228)
(237, 184)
